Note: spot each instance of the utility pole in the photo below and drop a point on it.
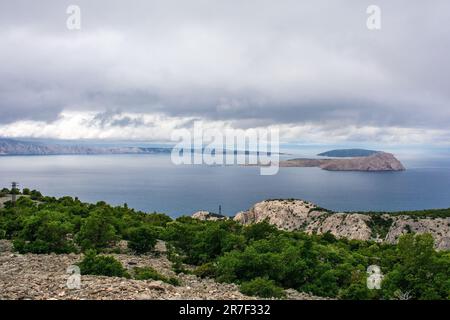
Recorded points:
(14, 189)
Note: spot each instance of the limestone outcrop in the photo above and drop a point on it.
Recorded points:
(299, 215)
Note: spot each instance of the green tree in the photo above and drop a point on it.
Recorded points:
(420, 273)
(45, 232)
(97, 231)
(142, 239)
(101, 265)
(259, 231)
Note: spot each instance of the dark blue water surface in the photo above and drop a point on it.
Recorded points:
(152, 183)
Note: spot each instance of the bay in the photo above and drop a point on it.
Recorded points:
(152, 183)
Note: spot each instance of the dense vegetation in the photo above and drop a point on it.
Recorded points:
(344, 153)
(430, 213)
(260, 258)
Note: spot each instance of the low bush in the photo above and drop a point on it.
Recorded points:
(35, 195)
(148, 273)
(44, 232)
(142, 239)
(97, 231)
(263, 288)
(94, 264)
(207, 270)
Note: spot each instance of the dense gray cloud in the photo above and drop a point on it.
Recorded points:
(249, 63)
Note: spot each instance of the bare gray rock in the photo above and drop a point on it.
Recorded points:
(304, 216)
(6, 246)
(206, 215)
(439, 228)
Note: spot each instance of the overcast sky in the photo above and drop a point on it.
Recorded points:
(140, 69)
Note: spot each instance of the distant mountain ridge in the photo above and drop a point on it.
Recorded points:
(346, 153)
(12, 147)
(17, 147)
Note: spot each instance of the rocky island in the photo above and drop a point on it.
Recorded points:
(379, 161)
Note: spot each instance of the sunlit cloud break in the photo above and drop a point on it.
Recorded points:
(159, 128)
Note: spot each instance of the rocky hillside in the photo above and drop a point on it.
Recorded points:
(206, 215)
(304, 216)
(44, 277)
(380, 161)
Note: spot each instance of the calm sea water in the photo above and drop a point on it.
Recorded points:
(151, 183)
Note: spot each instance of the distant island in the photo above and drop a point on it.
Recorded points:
(348, 153)
(379, 161)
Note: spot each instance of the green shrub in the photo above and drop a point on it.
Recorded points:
(263, 288)
(328, 237)
(142, 239)
(259, 231)
(176, 259)
(25, 202)
(157, 219)
(94, 264)
(174, 281)
(37, 247)
(97, 231)
(148, 273)
(45, 232)
(35, 195)
(421, 272)
(207, 270)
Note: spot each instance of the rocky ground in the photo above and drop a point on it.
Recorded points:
(32, 276)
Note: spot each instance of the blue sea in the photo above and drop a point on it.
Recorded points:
(152, 183)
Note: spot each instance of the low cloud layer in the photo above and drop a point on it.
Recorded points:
(138, 69)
